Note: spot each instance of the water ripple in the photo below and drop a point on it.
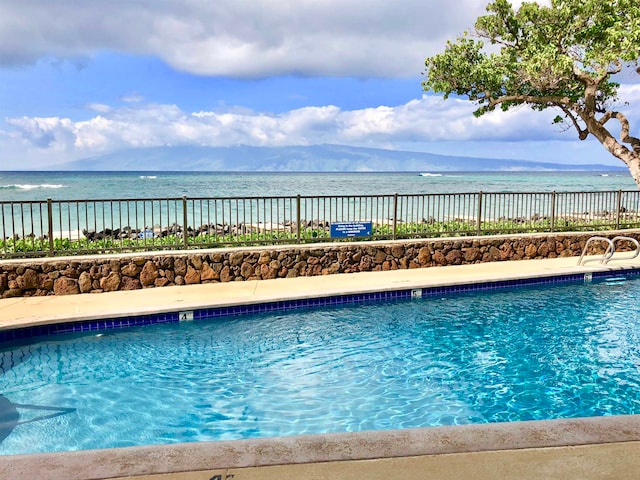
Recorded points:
(521, 355)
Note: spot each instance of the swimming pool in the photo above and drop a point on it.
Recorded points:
(525, 354)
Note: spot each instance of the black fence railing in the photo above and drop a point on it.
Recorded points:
(71, 227)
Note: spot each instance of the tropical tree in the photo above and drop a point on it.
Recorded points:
(566, 55)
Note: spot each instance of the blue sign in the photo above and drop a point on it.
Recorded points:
(351, 229)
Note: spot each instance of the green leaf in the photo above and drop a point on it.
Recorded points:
(562, 55)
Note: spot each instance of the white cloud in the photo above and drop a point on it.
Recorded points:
(419, 122)
(241, 38)
(630, 93)
(99, 107)
(132, 98)
(429, 119)
(44, 133)
(258, 38)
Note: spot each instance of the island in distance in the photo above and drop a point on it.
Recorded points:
(314, 158)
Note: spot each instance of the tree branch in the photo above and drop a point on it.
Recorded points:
(542, 100)
(583, 133)
(494, 40)
(587, 79)
(617, 68)
(624, 126)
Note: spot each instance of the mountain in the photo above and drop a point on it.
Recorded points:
(314, 158)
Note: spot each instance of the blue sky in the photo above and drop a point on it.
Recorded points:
(78, 79)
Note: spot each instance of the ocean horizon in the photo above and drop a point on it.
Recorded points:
(18, 186)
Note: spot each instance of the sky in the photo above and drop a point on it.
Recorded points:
(80, 78)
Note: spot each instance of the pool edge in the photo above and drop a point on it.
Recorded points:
(33, 318)
(236, 455)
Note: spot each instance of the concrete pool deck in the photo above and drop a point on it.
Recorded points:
(606, 447)
(30, 311)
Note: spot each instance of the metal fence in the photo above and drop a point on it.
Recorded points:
(63, 227)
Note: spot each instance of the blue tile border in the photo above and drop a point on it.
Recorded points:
(84, 326)
(281, 306)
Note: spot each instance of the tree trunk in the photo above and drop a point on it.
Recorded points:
(630, 158)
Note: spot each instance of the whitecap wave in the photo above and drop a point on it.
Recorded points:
(150, 177)
(26, 186)
(430, 174)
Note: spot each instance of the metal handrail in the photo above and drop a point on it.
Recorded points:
(607, 254)
(626, 239)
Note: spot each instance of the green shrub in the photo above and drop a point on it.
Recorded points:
(32, 246)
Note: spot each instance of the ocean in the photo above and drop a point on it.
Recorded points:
(38, 186)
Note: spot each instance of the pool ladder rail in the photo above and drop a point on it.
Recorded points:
(611, 249)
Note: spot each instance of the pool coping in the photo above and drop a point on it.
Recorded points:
(152, 460)
(166, 304)
(169, 314)
(339, 447)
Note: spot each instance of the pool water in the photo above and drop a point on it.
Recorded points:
(523, 354)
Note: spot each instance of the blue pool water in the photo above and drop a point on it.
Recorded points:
(522, 354)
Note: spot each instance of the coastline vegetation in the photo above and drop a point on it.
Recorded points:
(32, 246)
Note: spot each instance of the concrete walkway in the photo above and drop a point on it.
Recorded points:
(22, 312)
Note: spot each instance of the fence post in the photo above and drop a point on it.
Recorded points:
(50, 222)
(298, 226)
(618, 209)
(553, 211)
(395, 216)
(185, 219)
(480, 213)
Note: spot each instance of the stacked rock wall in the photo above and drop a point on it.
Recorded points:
(95, 274)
